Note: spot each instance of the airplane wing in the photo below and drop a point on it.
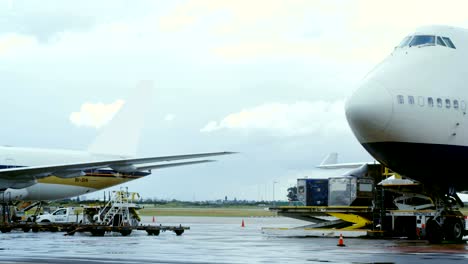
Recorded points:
(174, 164)
(343, 165)
(77, 169)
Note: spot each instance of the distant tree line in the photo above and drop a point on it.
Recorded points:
(178, 203)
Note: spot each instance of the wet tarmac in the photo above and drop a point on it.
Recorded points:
(219, 240)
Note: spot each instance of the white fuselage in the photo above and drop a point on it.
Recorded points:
(409, 112)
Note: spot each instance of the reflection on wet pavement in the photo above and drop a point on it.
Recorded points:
(219, 240)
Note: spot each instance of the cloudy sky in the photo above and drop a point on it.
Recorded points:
(267, 78)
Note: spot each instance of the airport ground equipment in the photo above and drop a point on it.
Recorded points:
(61, 215)
(381, 204)
(118, 215)
(121, 209)
(93, 229)
(312, 192)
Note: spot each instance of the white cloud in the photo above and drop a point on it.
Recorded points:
(15, 42)
(352, 31)
(378, 17)
(279, 119)
(95, 114)
(262, 28)
(169, 117)
(241, 15)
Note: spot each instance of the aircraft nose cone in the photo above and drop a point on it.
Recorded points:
(369, 111)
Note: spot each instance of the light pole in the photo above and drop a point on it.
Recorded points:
(274, 203)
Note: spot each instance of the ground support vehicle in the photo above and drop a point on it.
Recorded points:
(118, 215)
(379, 203)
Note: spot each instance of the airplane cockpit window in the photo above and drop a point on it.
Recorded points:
(400, 99)
(419, 40)
(439, 102)
(449, 42)
(410, 100)
(447, 103)
(430, 102)
(455, 104)
(440, 42)
(427, 40)
(404, 42)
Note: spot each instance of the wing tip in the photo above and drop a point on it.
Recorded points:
(230, 152)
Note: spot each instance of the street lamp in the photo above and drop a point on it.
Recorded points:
(274, 203)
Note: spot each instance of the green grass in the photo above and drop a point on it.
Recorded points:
(220, 212)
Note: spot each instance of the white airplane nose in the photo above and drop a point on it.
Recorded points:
(369, 111)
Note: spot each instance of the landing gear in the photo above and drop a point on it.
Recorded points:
(448, 223)
(436, 211)
(453, 229)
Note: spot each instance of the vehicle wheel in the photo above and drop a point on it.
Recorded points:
(454, 229)
(126, 232)
(406, 227)
(117, 220)
(179, 232)
(5, 230)
(98, 232)
(153, 232)
(26, 229)
(434, 233)
(35, 229)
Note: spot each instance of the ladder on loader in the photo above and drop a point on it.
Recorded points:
(121, 209)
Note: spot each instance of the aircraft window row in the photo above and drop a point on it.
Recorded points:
(439, 102)
(430, 40)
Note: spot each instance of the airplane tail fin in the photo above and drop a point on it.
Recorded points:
(330, 159)
(121, 135)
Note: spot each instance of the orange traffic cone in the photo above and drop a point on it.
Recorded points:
(340, 241)
(243, 224)
(154, 219)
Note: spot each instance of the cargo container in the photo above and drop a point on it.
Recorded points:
(347, 191)
(313, 192)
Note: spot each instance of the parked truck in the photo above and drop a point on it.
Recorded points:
(61, 215)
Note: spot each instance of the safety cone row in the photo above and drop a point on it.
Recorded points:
(243, 224)
(341, 242)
